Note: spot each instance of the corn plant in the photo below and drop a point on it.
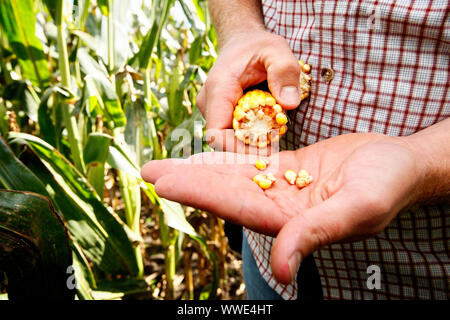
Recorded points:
(90, 91)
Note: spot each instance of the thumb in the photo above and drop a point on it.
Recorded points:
(318, 226)
(283, 77)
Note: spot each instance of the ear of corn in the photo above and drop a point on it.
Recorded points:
(257, 118)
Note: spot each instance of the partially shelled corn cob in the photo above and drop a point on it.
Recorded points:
(259, 120)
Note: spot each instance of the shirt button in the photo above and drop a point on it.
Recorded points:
(327, 74)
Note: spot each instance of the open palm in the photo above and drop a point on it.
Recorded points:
(361, 181)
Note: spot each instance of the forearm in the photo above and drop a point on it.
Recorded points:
(235, 16)
(432, 147)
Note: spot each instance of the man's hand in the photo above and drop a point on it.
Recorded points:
(247, 59)
(361, 181)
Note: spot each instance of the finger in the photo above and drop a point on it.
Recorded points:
(320, 225)
(220, 162)
(283, 75)
(231, 197)
(220, 96)
(201, 101)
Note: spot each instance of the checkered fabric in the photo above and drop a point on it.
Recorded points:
(378, 66)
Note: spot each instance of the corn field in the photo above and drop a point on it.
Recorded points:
(90, 90)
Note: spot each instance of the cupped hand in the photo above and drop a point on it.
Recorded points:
(361, 181)
(245, 60)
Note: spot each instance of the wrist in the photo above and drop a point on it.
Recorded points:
(241, 33)
(433, 168)
(235, 17)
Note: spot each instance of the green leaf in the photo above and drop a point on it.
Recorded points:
(174, 217)
(50, 117)
(15, 176)
(104, 6)
(34, 247)
(95, 154)
(106, 97)
(24, 96)
(52, 6)
(154, 33)
(120, 161)
(107, 241)
(82, 11)
(17, 21)
(96, 149)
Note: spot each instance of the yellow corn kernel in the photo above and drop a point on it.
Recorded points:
(258, 178)
(271, 177)
(277, 108)
(261, 164)
(238, 114)
(235, 124)
(303, 173)
(303, 179)
(270, 101)
(306, 68)
(281, 118)
(290, 176)
(265, 184)
(264, 181)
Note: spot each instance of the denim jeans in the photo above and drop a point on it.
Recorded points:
(257, 288)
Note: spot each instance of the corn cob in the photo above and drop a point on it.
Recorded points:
(258, 120)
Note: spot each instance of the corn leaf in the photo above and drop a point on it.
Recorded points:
(106, 240)
(154, 33)
(15, 176)
(50, 117)
(34, 247)
(17, 21)
(95, 155)
(107, 99)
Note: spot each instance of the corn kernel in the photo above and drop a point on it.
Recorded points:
(303, 179)
(306, 68)
(271, 177)
(261, 164)
(303, 173)
(290, 176)
(277, 108)
(258, 178)
(235, 124)
(265, 184)
(264, 181)
(281, 118)
(238, 114)
(270, 101)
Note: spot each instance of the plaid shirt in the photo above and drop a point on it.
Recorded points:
(378, 66)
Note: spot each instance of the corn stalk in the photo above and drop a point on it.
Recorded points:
(129, 186)
(69, 118)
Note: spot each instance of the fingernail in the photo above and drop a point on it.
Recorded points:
(290, 95)
(294, 264)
